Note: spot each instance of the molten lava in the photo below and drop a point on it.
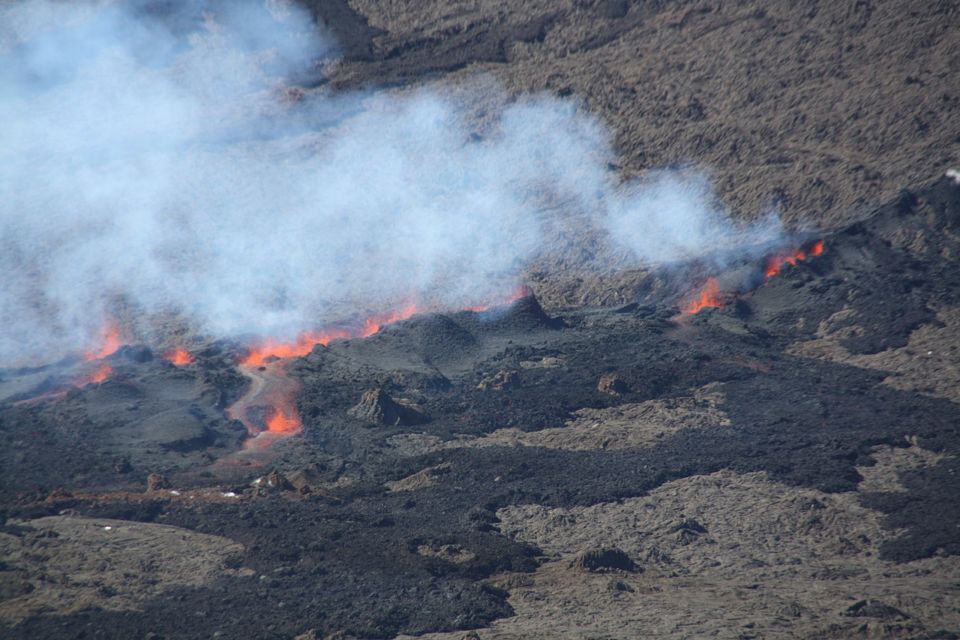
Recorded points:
(709, 296)
(284, 421)
(775, 263)
(110, 342)
(100, 375)
(270, 349)
(373, 324)
(179, 356)
(268, 409)
(273, 349)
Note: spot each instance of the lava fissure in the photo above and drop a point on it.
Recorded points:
(179, 357)
(775, 262)
(709, 296)
(268, 409)
(712, 295)
(111, 341)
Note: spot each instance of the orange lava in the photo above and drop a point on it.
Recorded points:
(110, 342)
(100, 375)
(272, 389)
(709, 296)
(261, 354)
(179, 356)
(373, 324)
(775, 263)
(284, 421)
(271, 349)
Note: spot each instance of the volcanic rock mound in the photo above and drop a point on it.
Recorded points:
(379, 408)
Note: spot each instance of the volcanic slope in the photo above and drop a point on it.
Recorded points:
(824, 107)
(819, 110)
(781, 466)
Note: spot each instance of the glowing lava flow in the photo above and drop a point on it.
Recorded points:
(271, 349)
(272, 394)
(111, 341)
(179, 356)
(101, 374)
(282, 422)
(268, 410)
(709, 296)
(775, 263)
(109, 344)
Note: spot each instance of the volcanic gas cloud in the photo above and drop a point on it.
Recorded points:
(158, 159)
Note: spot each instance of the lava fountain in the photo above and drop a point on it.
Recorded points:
(110, 342)
(179, 357)
(709, 296)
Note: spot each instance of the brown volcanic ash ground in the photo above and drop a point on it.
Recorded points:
(786, 466)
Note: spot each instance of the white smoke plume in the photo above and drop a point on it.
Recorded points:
(154, 152)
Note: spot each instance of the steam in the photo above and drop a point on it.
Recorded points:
(161, 158)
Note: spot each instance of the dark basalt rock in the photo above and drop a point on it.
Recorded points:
(525, 314)
(134, 353)
(604, 559)
(157, 482)
(377, 407)
(612, 383)
(875, 609)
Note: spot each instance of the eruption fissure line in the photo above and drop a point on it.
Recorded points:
(304, 344)
(710, 294)
(272, 394)
(775, 263)
(175, 188)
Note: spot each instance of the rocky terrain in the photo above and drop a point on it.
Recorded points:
(593, 459)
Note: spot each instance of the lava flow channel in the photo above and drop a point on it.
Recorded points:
(268, 409)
